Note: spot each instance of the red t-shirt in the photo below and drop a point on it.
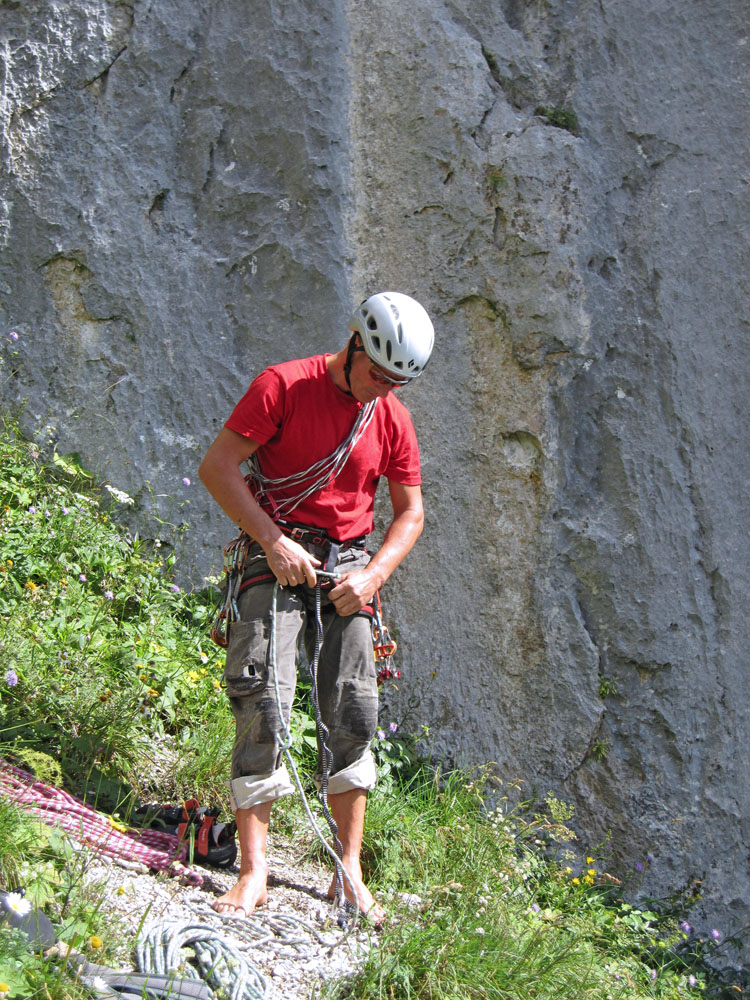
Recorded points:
(299, 416)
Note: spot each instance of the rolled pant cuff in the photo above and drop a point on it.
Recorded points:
(361, 774)
(253, 790)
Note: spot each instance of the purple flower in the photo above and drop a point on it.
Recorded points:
(692, 981)
(175, 589)
(638, 866)
(64, 510)
(32, 510)
(535, 907)
(381, 734)
(108, 595)
(186, 481)
(13, 335)
(653, 973)
(393, 727)
(11, 678)
(716, 935)
(82, 577)
(686, 926)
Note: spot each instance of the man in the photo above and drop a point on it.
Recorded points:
(317, 434)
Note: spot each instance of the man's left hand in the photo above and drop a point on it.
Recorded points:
(353, 592)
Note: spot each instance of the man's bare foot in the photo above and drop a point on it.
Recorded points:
(249, 893)
(371, 910)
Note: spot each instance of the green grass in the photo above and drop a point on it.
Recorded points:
(110, 687)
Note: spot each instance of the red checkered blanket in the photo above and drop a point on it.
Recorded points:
(157, 850)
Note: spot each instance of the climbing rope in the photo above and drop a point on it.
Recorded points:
(285, 739)
(217, 962)
(309, 480)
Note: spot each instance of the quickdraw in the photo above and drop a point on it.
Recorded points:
(235, 558)
(383, 645)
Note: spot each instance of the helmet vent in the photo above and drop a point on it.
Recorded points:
(388, 349)
(398, 364)
(400, 333)
(375, 342)
(372, 323)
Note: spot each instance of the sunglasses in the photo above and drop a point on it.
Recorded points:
(382, 379)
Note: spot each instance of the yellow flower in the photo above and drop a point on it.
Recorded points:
(63, 581)
(4, 990)
(590, 861)
(194, 676)
(591, 871)
(568, 870)
(96, 942)
(144, 677)
(217, 684)
(120, 890)
(576, 881)
(588, 880)
(30, 585)
(204, 657)
(153, 693)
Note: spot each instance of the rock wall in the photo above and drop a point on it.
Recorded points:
(191, 192)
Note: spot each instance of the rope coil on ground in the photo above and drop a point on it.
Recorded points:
(219, 964)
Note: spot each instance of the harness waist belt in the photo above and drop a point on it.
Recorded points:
(318, 536)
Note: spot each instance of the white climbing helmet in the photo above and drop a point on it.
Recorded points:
(396, 333)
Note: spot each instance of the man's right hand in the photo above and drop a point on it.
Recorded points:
(290, 563)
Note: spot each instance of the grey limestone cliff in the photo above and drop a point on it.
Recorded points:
(193, 190)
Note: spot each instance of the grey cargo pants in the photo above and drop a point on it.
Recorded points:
(347, 683)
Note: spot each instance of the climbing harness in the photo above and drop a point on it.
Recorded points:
(265, 491)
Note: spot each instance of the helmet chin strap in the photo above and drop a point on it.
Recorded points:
(352, 350)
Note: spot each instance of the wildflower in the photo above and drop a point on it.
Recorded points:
(479, 930)
(96, 942)
(13, 335)
(591, 872)
(692, 981)
(153, 693)
(576, 881)
(217, 684)
(653, 973)
(108, 595)
(119, 495)
(11, 678)
(175, 589)
(393, 727)
(194, 676)
(686, 926)
(144, 677)
(185, 481)
(203, 657)
(144, 710)
(47, 514)
(120, 890)
(99, 985)
(568, 870)
(535, 907)
(32, 510)
(30, 585)
(65, 510)
(381, 734)
(4, 990)
(18, 903)
(716, 935)
(82, 577)
(590, 861)
(638, 866)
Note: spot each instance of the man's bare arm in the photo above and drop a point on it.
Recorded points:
(357, 589)
(221, 475)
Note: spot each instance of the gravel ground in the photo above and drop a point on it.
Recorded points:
(294, 964)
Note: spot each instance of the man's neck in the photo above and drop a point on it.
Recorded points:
(336, 364)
